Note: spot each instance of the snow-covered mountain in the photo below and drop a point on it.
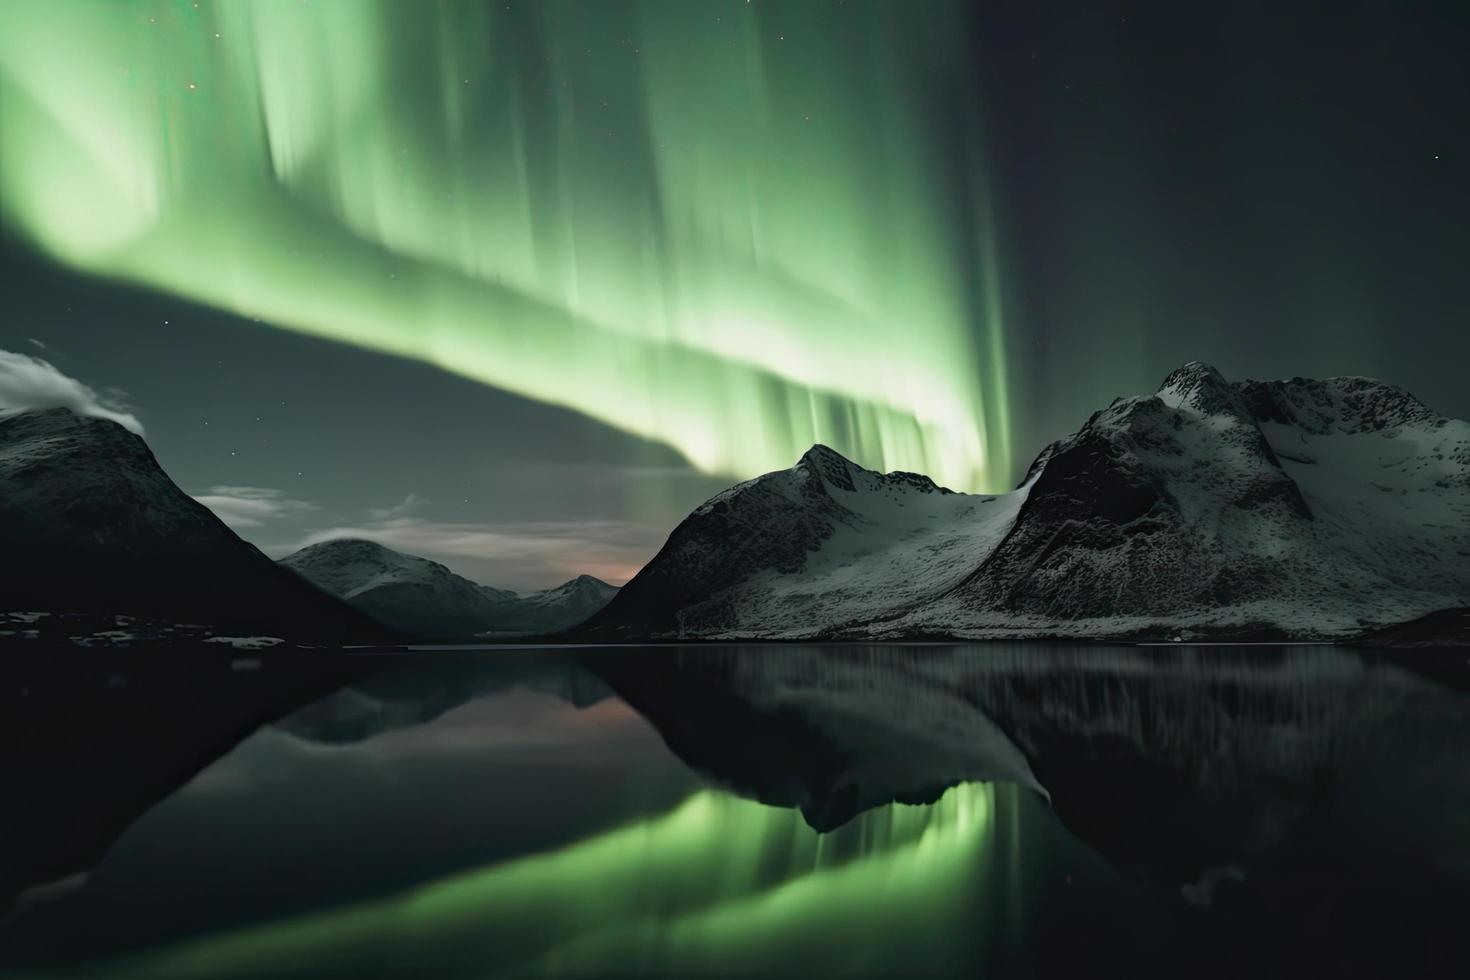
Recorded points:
(413, 594)
(424, 598)
(810, 551)
(1309, 508)
(1298, 508)
(90, 524)
(558, 608)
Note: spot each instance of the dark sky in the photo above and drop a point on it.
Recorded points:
(1276, 188)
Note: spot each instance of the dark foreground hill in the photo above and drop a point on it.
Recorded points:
(90, 525)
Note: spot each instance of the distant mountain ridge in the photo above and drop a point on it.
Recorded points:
(90, 524)
(425, 598)
(1294, 508)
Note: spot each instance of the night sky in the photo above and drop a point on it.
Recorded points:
(516, 285)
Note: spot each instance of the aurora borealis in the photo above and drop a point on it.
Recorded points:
(735, 230)
(517, 284)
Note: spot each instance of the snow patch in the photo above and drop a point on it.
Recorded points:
(247, 642)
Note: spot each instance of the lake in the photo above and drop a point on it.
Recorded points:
(807, 811)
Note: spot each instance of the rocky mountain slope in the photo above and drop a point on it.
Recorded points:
(1289, 508)
(424, 598)
(91, 525)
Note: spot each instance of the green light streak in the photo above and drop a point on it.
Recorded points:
(725, 226)
(717, 885)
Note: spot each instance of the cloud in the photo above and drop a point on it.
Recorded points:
(535, 553)
(410, 503)
(242, 507)
(30, 382)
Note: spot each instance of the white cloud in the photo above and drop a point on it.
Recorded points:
(408, 506)
(30, 382)
(242, 507)
(249, 493)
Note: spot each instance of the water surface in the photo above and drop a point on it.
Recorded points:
(793, 811)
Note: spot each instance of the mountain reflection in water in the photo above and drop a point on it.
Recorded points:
(1017, 810)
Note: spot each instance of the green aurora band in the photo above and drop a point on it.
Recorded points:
(717, 885)
(735, 228)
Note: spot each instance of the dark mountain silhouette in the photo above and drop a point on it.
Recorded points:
(90, 524)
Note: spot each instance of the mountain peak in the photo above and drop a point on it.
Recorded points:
(1196, 369)
(58, 413)
(343, 548)
(798, 533)
(27, 425)
(822, 451)
(346, 544)
(346, 567)
(829, 465)
(1200, 386)
(582, 584)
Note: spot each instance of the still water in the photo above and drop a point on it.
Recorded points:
(995, 810)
